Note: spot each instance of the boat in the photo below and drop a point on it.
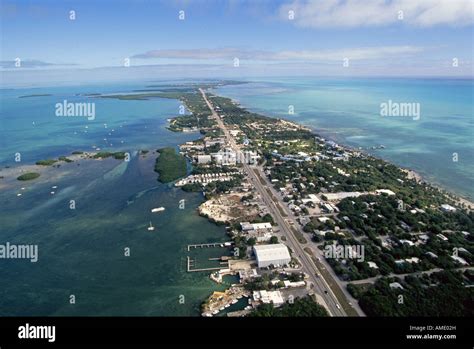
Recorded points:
(157, 209)
(234, 301)
(151, 227)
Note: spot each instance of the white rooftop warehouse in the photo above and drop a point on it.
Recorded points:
(255, 226)
(276, 254)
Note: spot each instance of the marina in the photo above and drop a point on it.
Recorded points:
(210, 244)
(191, 264)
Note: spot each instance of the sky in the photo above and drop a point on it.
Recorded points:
(105, 39)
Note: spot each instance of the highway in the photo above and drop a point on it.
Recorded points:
(308, 266)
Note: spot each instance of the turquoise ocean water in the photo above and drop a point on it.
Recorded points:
(348, 111)
(81, 252)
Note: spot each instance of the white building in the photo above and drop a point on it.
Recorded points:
(258, 226)
(407, 242)
(372, 265)
(448, 208)
(342, 195)
(211, 142)
(288, 283)
(255, 226)
(442, 237)
(275, 254)
(268, 297)
(396, 285)
(203, 159)
(413, 260)
(460, 260)
(311, 198)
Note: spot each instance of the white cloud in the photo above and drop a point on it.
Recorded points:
(359, 13)
(363, 53)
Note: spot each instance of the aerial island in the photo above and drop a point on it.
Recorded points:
(288, 197)
(316, 228)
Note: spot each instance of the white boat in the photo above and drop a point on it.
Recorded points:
(234, 301)
(157, 209)
(151, 227)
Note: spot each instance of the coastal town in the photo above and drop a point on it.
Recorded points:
(265, 167)
(310, 219)
(314, 228)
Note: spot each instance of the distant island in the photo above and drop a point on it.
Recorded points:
(36, 95)
(28, 176)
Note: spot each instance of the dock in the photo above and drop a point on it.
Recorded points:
(210, 244)
(190, 264)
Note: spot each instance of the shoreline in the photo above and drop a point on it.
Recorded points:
(413, 173)
(79, 158)
(456, 196)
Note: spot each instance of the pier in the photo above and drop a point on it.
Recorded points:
(210, 244)
(190, 265)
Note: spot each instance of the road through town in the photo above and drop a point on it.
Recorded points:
(321, 286)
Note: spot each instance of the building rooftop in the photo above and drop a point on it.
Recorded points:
(255, 226)
(271, 252)
(267, 297)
